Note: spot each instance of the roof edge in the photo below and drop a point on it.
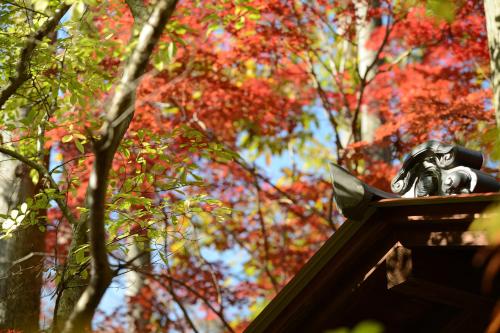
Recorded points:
(314, 265)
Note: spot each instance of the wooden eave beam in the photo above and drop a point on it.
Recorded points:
(438, 293)
(416, 237)
(440, 205)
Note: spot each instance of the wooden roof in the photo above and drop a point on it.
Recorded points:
(406, 263)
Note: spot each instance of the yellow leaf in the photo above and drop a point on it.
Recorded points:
(268, 159)
(176, 246)
(197, 94)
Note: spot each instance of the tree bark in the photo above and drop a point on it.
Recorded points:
(72, 285)
(139, 247)
(139, 256)
(492, 10)
(20, 261)
(367, 67)
(364, 29)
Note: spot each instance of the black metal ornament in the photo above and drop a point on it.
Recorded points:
(436, 168)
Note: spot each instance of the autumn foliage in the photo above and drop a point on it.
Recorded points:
(240, 78)
(225, 164)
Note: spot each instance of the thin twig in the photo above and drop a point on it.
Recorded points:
(265, 238)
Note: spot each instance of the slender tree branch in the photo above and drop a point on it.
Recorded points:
(240, 243)
(265, 237)
(335, 74)
(176, 299)
(288, 196)
(200, 126)
(130, 265)
(192, 290)
(22, 74)
(332, 70)
(331, 117)
(198, 295)
(171, 289)
(321, 92)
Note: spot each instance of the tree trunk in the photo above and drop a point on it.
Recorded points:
(370, 118)
(73, 283)
(21, 262)
(21, 255)
(492, 10)
(364, 29)
(138, 251)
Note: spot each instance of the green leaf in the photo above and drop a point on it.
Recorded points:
(489, 223)
(163, 258)
(240, 24)
(67, 138)
(213, 27)
(254, 16)
(78, 10)
(443, 9)
(35, 177)
(79, 146)
(368, 326)
(79, 256)
(40, 5)
(171, 51)
(24, 207)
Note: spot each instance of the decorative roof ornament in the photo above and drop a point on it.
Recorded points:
(435, 168)
(351, 195)
(431, 169)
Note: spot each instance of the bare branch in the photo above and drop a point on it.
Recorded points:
(176, 299)
(265, 237)
(329, 112)
(283, 193)
(201, 127)
(22, 74)
(105, 148)
(219, 313)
